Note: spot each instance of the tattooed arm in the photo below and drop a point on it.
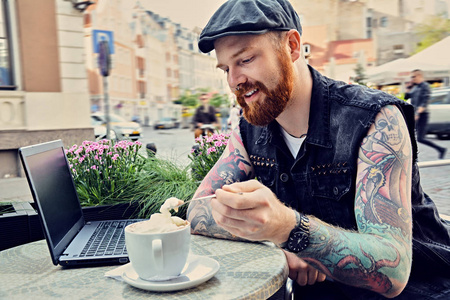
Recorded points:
(233, 166)
(378, 255)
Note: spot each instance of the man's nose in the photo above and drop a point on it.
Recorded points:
(235, 78)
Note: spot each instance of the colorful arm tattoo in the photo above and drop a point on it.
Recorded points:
(378, 256)
(233, 166)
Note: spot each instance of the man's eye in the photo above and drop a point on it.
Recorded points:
(245, 61)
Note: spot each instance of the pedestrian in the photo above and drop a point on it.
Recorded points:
(419, 92)
(235, 115)
(338, 185)
(205, 117)
(224, 116)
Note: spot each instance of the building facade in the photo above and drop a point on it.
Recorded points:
(43, 92)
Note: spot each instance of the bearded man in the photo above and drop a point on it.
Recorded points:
(337, 187)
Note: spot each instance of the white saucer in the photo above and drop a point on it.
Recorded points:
(198, 269)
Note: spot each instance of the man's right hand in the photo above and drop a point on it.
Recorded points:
(302, 272)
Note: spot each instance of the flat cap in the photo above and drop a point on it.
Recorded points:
(238, 17)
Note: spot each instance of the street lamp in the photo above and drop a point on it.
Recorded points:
(80, 5)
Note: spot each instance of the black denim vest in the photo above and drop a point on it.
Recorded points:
(320, 181)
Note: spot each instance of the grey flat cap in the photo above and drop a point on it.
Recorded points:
(238, 17)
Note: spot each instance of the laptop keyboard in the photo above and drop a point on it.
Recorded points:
(107, 239)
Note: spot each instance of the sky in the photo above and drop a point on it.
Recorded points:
(189, 13)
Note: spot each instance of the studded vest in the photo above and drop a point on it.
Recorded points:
(320, 181)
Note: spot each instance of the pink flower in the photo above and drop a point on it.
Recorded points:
(94, 167)
(115, 156)
(212, 149)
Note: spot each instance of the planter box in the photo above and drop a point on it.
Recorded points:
(110, 212)
(23, 225)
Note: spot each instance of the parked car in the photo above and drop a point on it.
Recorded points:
(122, 128)
(176, 122)
(100, 130)
(165, 123)
(439, 108)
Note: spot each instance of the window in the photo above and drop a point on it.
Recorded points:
(383, 22)
(6, 67)
(398, 49)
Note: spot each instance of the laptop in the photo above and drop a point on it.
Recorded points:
(71, 240)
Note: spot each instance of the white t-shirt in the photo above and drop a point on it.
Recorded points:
(293, 143)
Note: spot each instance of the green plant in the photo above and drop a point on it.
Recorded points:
(108, 173)
(159, 180)
(206, 152)
(103, 170)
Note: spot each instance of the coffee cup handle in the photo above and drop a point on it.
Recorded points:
(158, 254)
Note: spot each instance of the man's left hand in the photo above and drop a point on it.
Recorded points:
(251, 211)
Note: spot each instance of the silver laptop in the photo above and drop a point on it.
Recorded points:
(71, 240)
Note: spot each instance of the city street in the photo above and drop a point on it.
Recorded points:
(177, 143)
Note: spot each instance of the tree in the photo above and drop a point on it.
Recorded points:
(360, 77)
(218, 100)
(432, 31)
(187, 99)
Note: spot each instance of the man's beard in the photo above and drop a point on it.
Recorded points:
(262, 112)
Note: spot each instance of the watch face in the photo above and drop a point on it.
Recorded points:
(298, 241)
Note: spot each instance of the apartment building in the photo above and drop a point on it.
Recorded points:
(388, 25)
(162, 61)
(43, 90)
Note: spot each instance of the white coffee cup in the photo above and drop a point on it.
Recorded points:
(158, 255)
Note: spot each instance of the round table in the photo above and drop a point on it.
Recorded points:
(247, 271)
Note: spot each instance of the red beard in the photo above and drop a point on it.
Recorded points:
(262, 112)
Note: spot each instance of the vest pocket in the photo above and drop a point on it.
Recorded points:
(331, 184)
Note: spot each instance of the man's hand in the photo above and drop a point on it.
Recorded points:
(251, 211)
(301, 272)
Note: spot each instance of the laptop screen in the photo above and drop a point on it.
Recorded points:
(53, 189)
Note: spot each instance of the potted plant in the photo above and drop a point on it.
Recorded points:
(114, 181)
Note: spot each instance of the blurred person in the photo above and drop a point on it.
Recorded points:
(418, 90)
(235, 115)
(205, 116)
(338, 186)
(224, 116)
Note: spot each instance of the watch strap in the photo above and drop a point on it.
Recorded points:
(297, 222)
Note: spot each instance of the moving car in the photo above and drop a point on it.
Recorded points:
(165, 123)
(439, 109)
(122, 128)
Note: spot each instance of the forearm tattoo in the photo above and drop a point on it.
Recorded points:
(378, 255)
(233, 166)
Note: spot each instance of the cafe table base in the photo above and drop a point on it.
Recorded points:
(247, 271)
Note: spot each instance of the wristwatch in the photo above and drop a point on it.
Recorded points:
(299, 237)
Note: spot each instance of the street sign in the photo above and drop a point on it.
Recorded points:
(103, 35)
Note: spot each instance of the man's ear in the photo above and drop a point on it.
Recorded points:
(295, 46)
